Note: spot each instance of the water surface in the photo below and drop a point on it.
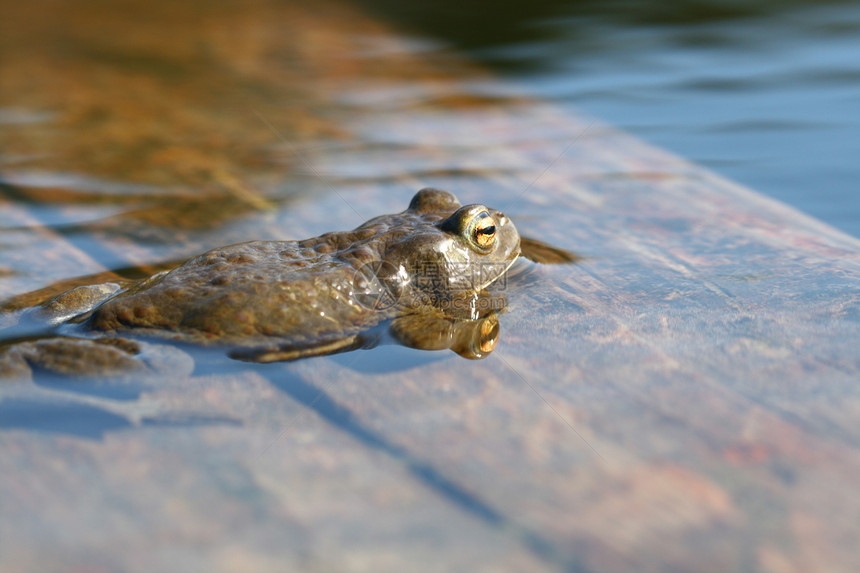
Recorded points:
(683, 397)
(767, 93)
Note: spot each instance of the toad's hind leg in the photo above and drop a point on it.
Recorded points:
(293, 351)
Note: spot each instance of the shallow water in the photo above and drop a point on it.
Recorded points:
(131, 151)
(766, 93)
(701, 354)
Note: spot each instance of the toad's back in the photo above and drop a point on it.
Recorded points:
(243, 292)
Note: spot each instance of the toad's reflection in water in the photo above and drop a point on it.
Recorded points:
(417, 278)
(468, 327)
(472, 335)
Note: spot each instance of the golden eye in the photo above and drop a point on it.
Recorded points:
(484, 230)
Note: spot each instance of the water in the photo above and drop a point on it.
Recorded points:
(158, 145)
(701, 354)
(766, 93)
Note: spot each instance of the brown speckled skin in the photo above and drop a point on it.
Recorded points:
(303, 291)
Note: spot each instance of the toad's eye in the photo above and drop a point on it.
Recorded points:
(473, 226)
(483, 230)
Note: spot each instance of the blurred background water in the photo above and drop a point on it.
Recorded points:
(766, 93)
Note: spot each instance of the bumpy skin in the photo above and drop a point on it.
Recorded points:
(310, 291)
